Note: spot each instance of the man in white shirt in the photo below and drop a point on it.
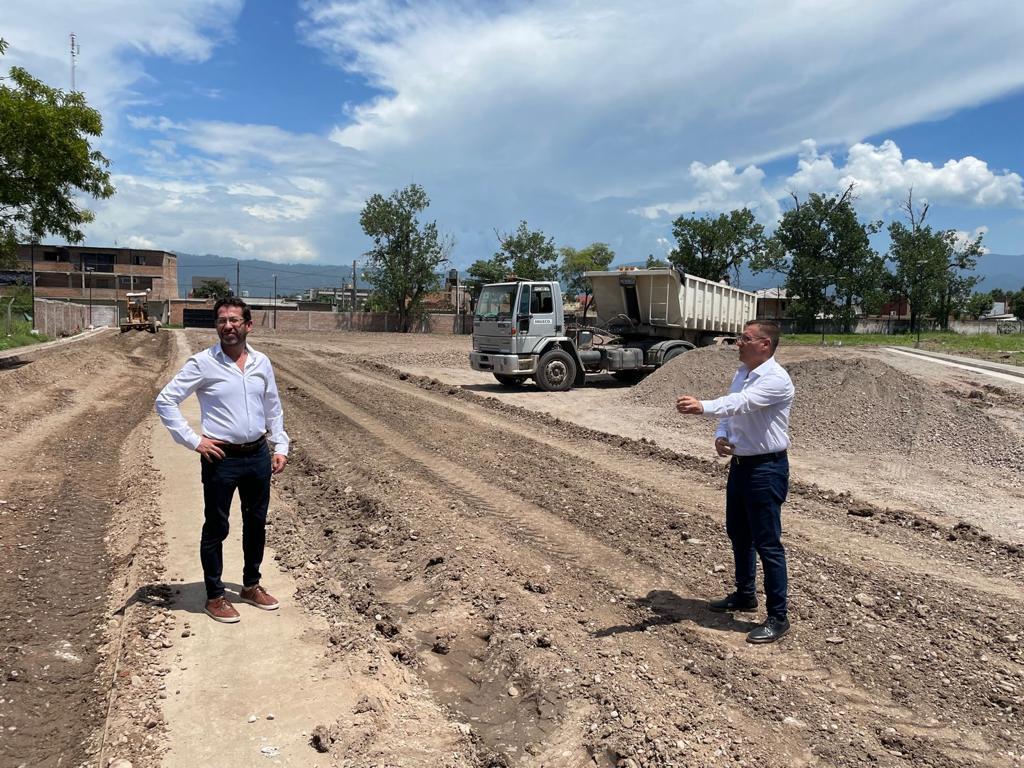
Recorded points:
(240, 407)
(753, 428)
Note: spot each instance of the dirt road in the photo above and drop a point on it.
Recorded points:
(529, 583)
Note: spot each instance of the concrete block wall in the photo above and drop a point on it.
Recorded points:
(369, 322)
(60, 318)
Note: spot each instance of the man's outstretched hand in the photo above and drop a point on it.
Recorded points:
(689, 405)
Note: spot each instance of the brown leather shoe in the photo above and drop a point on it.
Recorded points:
(258, 596)
(219, 609)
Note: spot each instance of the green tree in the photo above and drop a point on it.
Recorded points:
(930, 266)
(653, 263)
(956, 285)
(825, 253)
(978, 304)
(1016, 304)
(483, 271)
(213, 289)
(713, 247)
(46, 162)
(403, 263)
(527, 253)
(596, 257)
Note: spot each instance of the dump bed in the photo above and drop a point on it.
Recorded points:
(667, 303)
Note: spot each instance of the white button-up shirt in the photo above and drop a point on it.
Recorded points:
(236, 406)
(754, 416)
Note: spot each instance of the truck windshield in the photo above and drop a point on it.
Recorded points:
(495, 302)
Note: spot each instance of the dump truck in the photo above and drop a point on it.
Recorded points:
(137, 317)
(645, 317)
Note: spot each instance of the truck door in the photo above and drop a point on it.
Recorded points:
(537, 316)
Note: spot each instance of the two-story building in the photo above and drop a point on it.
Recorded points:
(100, 277)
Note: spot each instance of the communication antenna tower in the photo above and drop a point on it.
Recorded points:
(75, 50)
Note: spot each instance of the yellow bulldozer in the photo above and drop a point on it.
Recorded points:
(137, 317)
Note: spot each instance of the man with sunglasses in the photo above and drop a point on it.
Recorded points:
(753, 428)
(240, 408)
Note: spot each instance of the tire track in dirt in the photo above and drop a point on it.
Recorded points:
(60, 486)
(836, 529)
(926, 739)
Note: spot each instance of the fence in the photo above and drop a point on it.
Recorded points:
(60, 318)
(372, 322)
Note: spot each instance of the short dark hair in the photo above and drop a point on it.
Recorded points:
(233, 301)
(770, 329)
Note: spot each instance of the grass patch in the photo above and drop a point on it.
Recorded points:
(999, 347)
(21, 335)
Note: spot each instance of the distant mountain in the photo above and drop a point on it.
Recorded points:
(257, 276)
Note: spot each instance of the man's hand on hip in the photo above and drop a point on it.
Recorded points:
(724, 447)
(689, 405)
(210, 449)
(277, 463)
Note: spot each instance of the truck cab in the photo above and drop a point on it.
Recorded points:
(514, 325)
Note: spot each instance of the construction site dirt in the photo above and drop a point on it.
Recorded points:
(511, 577)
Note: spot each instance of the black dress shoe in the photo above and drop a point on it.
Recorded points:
(734, 602)
(769, 632)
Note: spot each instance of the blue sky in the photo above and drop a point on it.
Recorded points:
(258, 129)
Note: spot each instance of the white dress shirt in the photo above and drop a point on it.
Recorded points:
(754, 416)
(237, 406)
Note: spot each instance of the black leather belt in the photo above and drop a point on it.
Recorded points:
(238, 450)
(759, 458)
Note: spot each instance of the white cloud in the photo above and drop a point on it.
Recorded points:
(113, 36)
(720, 187)
(881, 178)
(611, 89)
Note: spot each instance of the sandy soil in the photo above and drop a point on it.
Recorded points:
(513, 577)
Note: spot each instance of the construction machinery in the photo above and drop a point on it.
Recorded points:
(137, 317)
(646, 317)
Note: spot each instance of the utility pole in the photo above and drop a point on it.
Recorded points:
(33, 257)
(353, 285)
(238, 277)
(275, 302)
(75, 50)
(90, 270)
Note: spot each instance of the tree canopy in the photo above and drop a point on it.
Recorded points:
(825, 252)
(930, 266)
(713, 247)
(406, 255)
(45, 162)
(527, 254)
(595, 257)
(213, 289)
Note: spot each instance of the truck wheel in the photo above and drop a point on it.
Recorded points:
(509, 381)
(672, 354)
(556, 371)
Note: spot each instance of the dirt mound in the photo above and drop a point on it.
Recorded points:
(851, 404)
(704, 372)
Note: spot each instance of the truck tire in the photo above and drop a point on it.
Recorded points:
(556, 371)
(510, 381)
(672, 354)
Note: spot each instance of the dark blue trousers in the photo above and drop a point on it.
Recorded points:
(753, 520)
(250, 475)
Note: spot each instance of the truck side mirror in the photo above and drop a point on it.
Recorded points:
(524, 323)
